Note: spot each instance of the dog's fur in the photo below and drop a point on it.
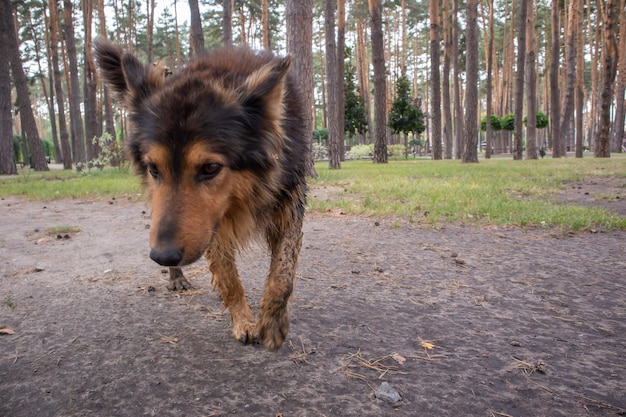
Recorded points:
(221, 150)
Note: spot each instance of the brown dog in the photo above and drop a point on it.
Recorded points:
(221, 150)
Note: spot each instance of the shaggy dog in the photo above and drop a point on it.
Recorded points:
(221, 149)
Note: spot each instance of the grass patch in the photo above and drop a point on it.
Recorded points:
(51, 185)
(61, 230)
(499, 191)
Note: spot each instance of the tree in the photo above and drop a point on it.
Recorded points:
(620, 88)
(354, 109)
(609, 70)
(89, 85)
(567, 113)
(555, 97)
(470, 152)
(334, 159)
(380, 83)
(38, 160)
(531, 84)
(197, 36)
(7, 157)
(435, 79)
(405, 117)
(519, 81)
(64, 135)
(227, 23)
(76, 120)
(341, 48)
(299, 22)
(489, 57)
(447, 102)
(458, 108)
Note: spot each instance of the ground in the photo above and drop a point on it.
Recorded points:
(458, 320)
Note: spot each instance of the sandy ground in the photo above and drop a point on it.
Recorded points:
(457, 320)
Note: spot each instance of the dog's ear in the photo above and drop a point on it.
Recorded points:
(262, 93)
(128, 77)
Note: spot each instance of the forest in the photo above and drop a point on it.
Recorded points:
(400, 76)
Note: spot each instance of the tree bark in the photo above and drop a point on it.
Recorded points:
(227, 24)
(519, 82)
(447, 102)
(470, 153)
(341, 101)
(435, 79)
(380, 82)
(555, 97)
(620, 88)
(109, 123)
(489, 57)
(580, 85)
(458, 108)
(567, 113)
(197, 36)
(609, 69)
(531, 84)
(58, 85)
(265, 23)
(332, 86)
(29, 127)
(76, 119)
(89, 85)
(7, 157)
(299, 22)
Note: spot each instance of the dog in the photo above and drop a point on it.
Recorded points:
(220, 147)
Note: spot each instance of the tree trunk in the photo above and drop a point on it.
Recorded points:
(197, 36)
(435, 79)
(620, 89)
(89, 86)
(567, 113)
(519, 81)
(380, 82)
(363, 73)
(447, 102)
(580, 85)
(299, 22)
(58, 85)
(341, 100)
(458, 108)
(332, 86)
(265, 23)
(531, 84)
(76, 119)
(489, 138)
(150, 5)
(29, 127)
(555, 97)
(109, 124)
(609, 69)
(7, 157)
(470, 153)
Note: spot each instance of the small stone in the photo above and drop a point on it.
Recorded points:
(386, 393)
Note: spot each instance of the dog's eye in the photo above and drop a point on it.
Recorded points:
(209, 171)
(153, 170)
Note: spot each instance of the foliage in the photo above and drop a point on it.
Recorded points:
(496, 123)
(508, 122)
(320, 135)
(354, 111)
(319, 151)
(112, 153)
(395, 150)
(542, 120)
(405, 115)
(361, 151)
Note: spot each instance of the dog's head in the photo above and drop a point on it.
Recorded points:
(202, 139)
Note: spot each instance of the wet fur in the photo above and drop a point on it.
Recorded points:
(221, 151)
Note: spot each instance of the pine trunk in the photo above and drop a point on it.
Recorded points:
(458, 108)
(332, 86)
(7, 157)
(447, 101)
(341, 101)
(380, 82)
(555, 97)
(620, 88)
(531, 84)
(567, 113)
(29, 127)
(197, 36)
(435, 79)
(470, 153)
(89, 86)
(519, 82)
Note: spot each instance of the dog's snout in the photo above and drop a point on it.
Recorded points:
(167, 257)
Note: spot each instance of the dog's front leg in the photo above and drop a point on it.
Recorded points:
(273, 320)
(221, 260)
(178, 282)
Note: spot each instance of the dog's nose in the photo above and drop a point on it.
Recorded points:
(167, 257)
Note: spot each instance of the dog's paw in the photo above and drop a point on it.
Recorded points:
(179, 284)
(272, 331)
(246, 332)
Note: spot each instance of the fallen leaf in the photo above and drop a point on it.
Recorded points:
(6, 330)
(398, 358)
(428, 345)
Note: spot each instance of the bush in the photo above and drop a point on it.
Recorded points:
(319, 151)
(361, 151)
(112, 153)
(395, 150)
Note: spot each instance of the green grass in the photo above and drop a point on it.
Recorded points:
(498, 192)
(70, 184)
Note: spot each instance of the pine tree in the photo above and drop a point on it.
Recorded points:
(405, 116)
(354, 111)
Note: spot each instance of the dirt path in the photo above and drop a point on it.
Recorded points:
(459, 321)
